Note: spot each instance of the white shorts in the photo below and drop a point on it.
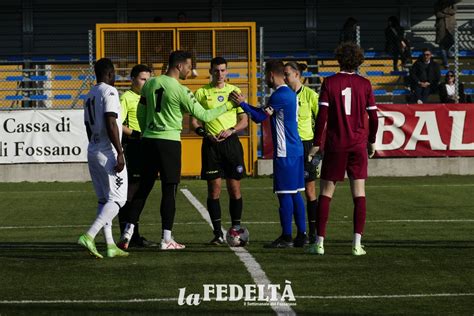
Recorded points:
(108, 184)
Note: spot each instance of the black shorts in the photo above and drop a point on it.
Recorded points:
(132, 152)
(310, 173)
(163, 156)
(222, 160)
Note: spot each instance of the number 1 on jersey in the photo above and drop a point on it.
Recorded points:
(347, 94)
(158, 96)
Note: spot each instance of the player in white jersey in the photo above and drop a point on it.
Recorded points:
(105, 157)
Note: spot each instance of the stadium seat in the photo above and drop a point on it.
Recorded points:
(14, 78)
(326, 73)
(39, 78)
(380, 92)
(14, 97)
(62, 78)
(401, 92)
(38, 97)
(63, 97)
(374, 73)
(469, 91)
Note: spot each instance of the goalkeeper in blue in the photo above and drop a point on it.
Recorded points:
(288, 161)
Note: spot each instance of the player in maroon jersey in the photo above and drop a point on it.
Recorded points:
(344, 102)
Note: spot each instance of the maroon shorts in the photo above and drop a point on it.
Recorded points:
(335, 165)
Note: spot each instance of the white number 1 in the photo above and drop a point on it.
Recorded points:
(347, 94)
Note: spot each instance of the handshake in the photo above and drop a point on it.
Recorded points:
(236, 98)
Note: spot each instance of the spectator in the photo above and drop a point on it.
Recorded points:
(447, 90)
(349, 31)
(424, 77)
(396, 44)
(445, 12)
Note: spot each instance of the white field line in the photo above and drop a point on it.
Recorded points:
(253, 223)
(253, 267)
(340, 185)
(173, 299)
(356, 297)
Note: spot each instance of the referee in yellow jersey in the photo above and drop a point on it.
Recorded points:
(221, 151)
(131, 141)
(307, 112)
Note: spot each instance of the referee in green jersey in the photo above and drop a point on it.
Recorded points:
(221, 152)
(307, 112)
(160, 116)
(131, 143)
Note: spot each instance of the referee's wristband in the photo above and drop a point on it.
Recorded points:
(201, 131)
(135, 134)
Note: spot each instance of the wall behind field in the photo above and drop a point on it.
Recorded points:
(387, 167)
(55, 27)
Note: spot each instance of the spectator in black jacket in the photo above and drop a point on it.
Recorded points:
(447, 90)
(396, 44)
(349, 31)
(424, 77)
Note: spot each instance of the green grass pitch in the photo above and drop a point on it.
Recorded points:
(419, 239)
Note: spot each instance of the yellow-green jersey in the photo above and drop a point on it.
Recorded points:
(129, 103)
(161, 107)
(211, 97)
(307, 112)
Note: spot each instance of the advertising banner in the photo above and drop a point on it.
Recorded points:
(42, 136)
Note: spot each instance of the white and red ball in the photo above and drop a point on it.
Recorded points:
(237, 236)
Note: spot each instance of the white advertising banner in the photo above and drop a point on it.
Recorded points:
(42, 136)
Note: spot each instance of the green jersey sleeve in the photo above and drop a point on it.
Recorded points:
(191, 105)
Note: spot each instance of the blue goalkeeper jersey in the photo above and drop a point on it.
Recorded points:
(284, 123)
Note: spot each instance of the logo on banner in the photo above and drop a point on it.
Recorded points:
(249, 294)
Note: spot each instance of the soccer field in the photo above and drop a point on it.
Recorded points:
(419, 241)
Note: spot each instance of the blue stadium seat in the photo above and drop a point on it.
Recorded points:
(467, 72)
(63, 78)
(399, 73)
(444, 72)
(63, 97)
(39, 78)
(83, 96)
(259, 75)
(13, 97)
(84, 77)
(469, 91)
(374, 73)
(400, 92)
(233, 75)
(307, 73)
(326, 73)
(14, 78)
(380, 92)
(37, 97)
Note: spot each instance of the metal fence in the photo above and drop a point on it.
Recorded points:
(39, 84)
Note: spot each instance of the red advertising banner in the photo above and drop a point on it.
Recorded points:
(425, 130)
(416, 130)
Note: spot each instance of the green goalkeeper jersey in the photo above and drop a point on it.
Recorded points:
(161, 108)
(211, 97)
(129, 102)
(307, 112)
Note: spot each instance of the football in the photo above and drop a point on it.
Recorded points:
(237, 236)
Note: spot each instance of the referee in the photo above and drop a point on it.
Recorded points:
(131, 142)
(221, 151)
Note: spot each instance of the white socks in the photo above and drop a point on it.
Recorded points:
(166, 235)
(109, 238)
(320, 241)
(356, 241)
(106, 215)
(128, 231)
